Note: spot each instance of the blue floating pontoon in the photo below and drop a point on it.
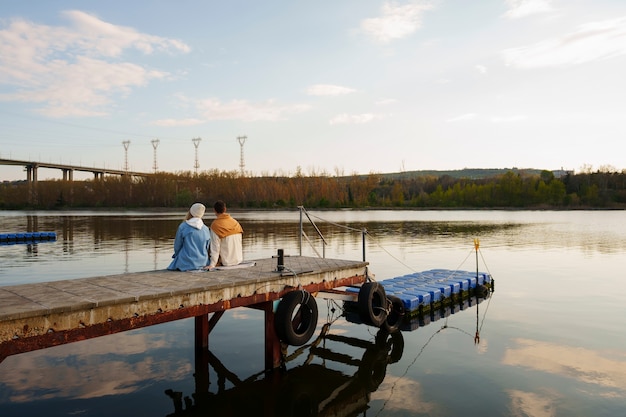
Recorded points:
(432, 288)
(27, 237)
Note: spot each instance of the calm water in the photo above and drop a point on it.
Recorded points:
(552, 336)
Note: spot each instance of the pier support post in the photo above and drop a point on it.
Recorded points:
(202, 353)
(272, 343)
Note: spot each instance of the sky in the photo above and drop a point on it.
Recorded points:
(330, 87)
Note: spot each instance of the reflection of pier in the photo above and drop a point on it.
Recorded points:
(31, 168)
(308, 389)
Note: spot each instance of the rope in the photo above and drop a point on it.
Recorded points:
(335, 224)
(368, 234)
(406, 371)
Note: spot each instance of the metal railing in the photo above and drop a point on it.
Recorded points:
(303, 234)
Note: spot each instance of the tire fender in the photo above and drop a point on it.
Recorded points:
(295, 319)
(372, 304)
(395, 316)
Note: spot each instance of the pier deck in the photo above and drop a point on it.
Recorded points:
(41, 315)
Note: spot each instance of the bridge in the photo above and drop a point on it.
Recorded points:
(68, 170)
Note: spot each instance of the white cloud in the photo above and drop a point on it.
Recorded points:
(107, 39)
(494, 119)
(508, 119)
(328, 90)
(386, 101)
(345, 118)
(214, 109)
(463, 118)
(481, 68)
(397, 21)
(74, 70)
(178, 122)
(523, 8)
(591, 42)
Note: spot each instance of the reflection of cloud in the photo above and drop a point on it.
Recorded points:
(403, 394)
(240, 314)
(90, 368)
(531, 404)
(581, 364)
(483, 346)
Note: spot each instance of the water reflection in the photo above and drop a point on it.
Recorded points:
(552, 344)
(606, 370)
(308, 389)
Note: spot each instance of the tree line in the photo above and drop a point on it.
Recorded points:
(510, 189)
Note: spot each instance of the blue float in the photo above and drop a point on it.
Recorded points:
(27, 237)
(431, 288)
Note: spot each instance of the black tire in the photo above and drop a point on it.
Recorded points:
(372, 304)
(296, 318)
(373, 368)
(395, 316)
(392, 343)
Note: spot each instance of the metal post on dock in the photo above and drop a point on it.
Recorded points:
(300, 237)
(363, 233)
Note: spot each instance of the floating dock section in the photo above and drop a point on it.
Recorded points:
(429, 295)
(435, 287)
(422, 290)
(27, 237)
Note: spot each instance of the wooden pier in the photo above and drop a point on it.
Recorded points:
(41, 315)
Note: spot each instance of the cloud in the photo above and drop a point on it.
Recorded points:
(591, 42)
(494, 119)
(575, 363)
(178, 122)
(404, 396)
(214, 109)
(75, 70)
(396, 22)
(328, 90)
(523, 8)
(462, 118)
(386, 101)
(508, 119)
(481, 68)
(355, 118)
(532, 404)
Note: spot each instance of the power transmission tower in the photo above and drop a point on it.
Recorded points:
(196, 143)
(126, 143)
(242, 164)
(155, 143)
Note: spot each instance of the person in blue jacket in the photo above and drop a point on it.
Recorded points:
(191, 245)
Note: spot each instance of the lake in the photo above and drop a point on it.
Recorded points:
(552, 338)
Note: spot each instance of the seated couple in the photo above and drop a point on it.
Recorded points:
(195, 241)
